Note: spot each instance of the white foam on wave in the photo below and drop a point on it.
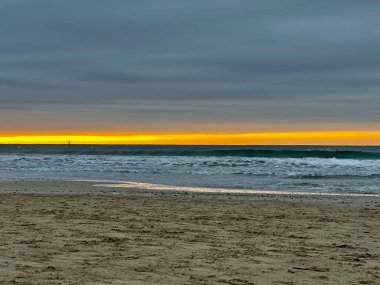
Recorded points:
(308, 174)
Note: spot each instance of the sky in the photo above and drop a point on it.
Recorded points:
(95, 67)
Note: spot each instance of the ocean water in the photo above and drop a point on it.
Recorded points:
(274, 168)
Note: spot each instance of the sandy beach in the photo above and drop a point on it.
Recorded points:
(74, 233)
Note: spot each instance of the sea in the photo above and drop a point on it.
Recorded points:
(310, 169)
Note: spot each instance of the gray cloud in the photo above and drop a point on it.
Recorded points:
(190, 63)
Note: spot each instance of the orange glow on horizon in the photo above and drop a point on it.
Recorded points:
(262, 138)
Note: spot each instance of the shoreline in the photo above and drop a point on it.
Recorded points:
(94, 188)
(189, 189)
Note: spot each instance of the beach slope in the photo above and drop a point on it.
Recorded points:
(166, 239)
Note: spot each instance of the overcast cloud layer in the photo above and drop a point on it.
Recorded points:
(171, 65)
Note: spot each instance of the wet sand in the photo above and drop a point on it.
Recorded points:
(74, 233)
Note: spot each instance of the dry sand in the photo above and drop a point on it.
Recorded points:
(167, 238)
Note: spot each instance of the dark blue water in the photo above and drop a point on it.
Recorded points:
(335, 169)
(343, 152)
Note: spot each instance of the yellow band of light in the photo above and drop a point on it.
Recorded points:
(268, 138)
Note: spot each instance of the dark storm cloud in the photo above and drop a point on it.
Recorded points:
(194, 62)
